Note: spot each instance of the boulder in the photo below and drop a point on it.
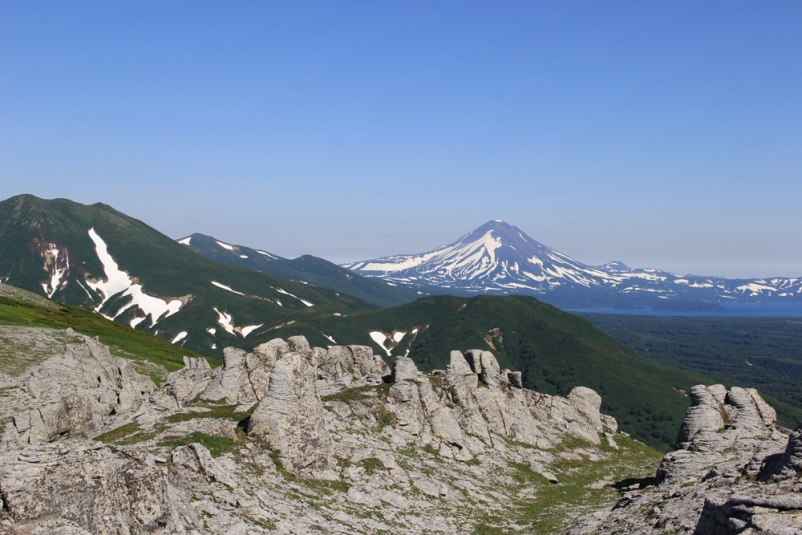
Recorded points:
(704, 416)
(289, 420)
(404, 369)
(244, 377)
(352, 361)
(485, 365)
(182, 386)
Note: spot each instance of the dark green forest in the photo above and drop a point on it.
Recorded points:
(763, 353)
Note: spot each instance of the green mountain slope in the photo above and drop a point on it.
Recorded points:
(100, 259)
(19, 308)
(308, 269)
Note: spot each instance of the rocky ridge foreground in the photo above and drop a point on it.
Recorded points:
(295, 439)
(736, 472)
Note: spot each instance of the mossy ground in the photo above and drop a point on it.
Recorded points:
(555, 507)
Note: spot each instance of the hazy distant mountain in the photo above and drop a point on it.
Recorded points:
(498, 258)
(306, 269)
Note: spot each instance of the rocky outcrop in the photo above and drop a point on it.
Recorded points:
(84, 487)
(183, 386)
(788, 464)
(244, 377)
(75, 394)
(351, 361)
(473, 404)
(728, 442)
(289, 420)
(424, 444)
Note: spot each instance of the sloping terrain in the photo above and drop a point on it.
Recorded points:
(305, 269)
(294, 439)
(105, 261)
(32, 328)
(499, 259)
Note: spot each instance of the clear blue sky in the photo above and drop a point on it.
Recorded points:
(662, 134)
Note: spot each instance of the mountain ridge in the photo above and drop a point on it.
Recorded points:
(306, 269)
(499, 258)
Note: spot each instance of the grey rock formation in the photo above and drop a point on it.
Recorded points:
(351, 361)
(788, 464)
(728, 441)
(88, 488)
(472, 404)
(289, 420)
(244, 377)
(183, 386)
(404, 369)
(75, 394)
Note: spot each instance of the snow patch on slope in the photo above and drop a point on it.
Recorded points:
(180, 336)
(380, 339)
(225, 320)
(249, 329)
(56, 267)
(227, 288)
(119, 282)
(281, 291)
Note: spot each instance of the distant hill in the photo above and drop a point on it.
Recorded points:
(306, 269)
(500, 259)
(102, 260)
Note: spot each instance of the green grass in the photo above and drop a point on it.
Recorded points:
(547, 512)
(119, 433)
(123, 340)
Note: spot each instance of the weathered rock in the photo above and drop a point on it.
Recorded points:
(183, 386)
(515, 379)
(588, 403)
(299, 344)
(74, 394)
(289, 419)
(485, 365)
(404, 369)
(244, 377)
(789, 463)
(84, 486)
(709, 485)
(704, 416)
(196, 457)
(352, 362)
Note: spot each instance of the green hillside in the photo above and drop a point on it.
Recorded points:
(763, 353)
(31, 229)
(19, 308)
(223, 305)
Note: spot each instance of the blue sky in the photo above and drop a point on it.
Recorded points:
(662, 134)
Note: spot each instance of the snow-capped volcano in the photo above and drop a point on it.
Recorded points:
(495, 257)
(499, 258)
